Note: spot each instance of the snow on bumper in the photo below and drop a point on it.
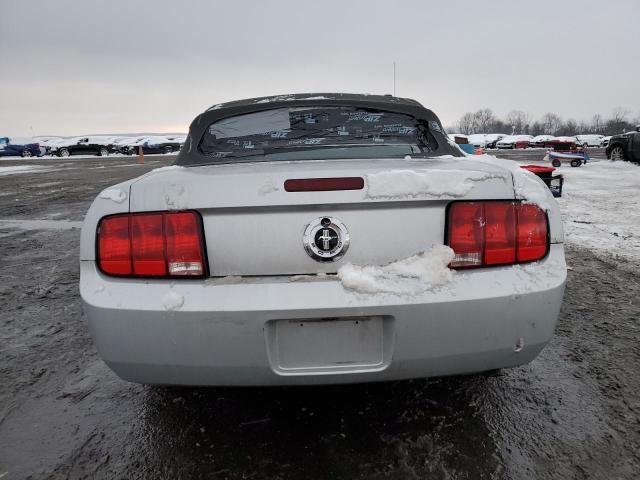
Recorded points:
(247, 331)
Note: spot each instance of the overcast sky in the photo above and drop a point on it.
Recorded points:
(75, 67)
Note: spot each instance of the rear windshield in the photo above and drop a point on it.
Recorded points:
(317, 133)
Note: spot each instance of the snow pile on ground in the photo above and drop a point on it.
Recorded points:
(114, 194)
(527, 185)
(23, 169)
(423, 183)
(600, 207)
(410, 276)
(39, 224)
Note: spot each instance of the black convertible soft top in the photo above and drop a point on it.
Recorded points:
(191, 154)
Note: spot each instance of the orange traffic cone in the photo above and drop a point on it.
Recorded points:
(140, 155)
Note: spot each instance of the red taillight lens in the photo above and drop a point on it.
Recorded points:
(496, 233)
(184, 247)
(147, 245)
(466, 233)
(532, 233)
(499, 233)
(114, 246)
(165, 244)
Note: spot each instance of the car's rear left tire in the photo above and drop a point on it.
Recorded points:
(556, 163)
(576, 163)
(617, 153)
(63, 152)
(26, 153)
(167, 149)
(103, 152)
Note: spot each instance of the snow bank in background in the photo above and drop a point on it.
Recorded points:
(425, 183)
(600, 206)
(23, 169)
(527, 185)
(114, 194)
(410, 276)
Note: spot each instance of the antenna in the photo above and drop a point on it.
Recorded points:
(394, 78)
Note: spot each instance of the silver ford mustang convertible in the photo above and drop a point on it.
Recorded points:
(321, 238)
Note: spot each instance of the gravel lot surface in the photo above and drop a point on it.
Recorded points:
(572, 413)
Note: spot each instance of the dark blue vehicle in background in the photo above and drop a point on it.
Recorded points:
(19, 147)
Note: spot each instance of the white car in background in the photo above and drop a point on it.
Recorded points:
(478, 140)
(47, 143)
(514, 141)
(567, 139)
(589, 140)
(605, 141)
(125, 145)
(316, 239)
(485, 140)
(491, 139)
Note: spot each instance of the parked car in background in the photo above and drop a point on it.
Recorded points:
(46, 141)
(19, 147)
(514, 141)
(156, 144)
(177, 138)
(492, 139)
(125, 145)
(625, 147)
(340, 218)
(605, 141)
(90, 145)
(541, 141)
(589, 140)
(47, 144)
(478, 140)
(564, 139)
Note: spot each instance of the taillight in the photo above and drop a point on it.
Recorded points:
(163, 244)
(496, 233)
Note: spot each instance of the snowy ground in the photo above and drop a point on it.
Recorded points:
(14, 169)
(572, 413)
(601, 208)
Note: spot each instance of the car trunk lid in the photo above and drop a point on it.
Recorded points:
(254, 226)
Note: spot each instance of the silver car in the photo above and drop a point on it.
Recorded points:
(316, 239)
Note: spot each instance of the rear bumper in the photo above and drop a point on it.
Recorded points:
(223, 331)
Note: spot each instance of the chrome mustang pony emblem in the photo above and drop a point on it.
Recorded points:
(326, 239)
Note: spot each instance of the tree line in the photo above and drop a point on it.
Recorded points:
(518, 122)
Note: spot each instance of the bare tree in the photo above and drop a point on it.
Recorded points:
(618, 122)
(619, 114)
(484, 119)
(597, 123)
(466, 123)
(569, 128)
(519, 121)
(551, 123)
